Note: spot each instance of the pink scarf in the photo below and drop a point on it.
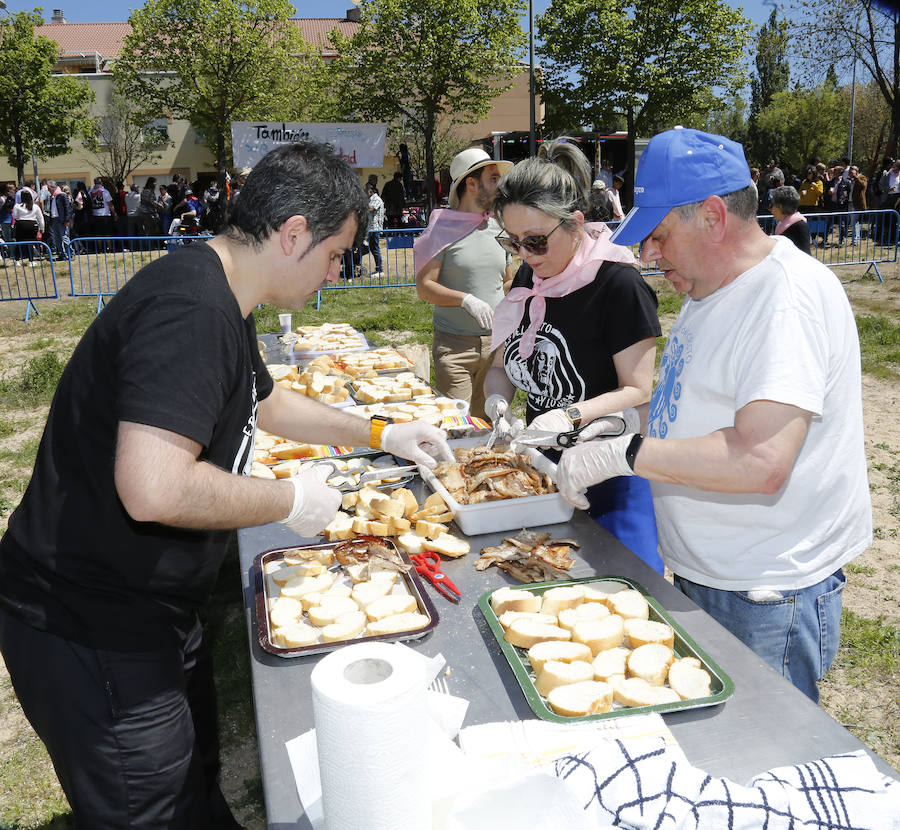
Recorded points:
(444, 228)
(595, 249)
(792, 219)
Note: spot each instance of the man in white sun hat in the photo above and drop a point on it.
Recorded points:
(754, 433)
(460, 270)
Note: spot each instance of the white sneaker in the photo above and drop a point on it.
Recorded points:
(377, 275)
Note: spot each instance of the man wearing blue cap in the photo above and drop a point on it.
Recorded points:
(754, 433)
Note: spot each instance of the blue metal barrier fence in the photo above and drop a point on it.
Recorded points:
(27, 274)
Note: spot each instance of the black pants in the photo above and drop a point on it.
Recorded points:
(26, 230)
(132, 735)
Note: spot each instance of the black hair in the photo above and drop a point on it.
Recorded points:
(27, 200)
(304, 179)
(151, 181)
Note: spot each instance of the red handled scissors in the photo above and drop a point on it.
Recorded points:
(428, 564)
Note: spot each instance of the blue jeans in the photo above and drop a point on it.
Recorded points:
(797, 635)
(375, 248)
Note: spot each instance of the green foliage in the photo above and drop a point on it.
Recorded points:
(41, 112)
(121, 141)
(217, 61)
(804, 123)
(842, 32)
(879, 342)
(649, 61)
(429, 65)
(772, 77)
(35, 383)
(868, 644)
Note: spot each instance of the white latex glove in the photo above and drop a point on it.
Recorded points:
(496, 406)
(605, 425)
(417, 441)
(315, 502)
(480, 310)
(590, 463)
(553, 421)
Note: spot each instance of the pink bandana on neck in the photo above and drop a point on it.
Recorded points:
(785, 223)
(595, 249)
(444, 228)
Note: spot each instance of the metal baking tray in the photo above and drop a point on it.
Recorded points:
(504, 514)
(408, 366)
(722, 685)
(410, 582)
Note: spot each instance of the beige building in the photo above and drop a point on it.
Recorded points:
(88, 50)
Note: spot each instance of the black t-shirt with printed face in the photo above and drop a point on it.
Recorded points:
(172, 351)
(573, 353)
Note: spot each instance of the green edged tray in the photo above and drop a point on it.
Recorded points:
(722, 685)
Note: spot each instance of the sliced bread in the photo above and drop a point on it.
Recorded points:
(635, 691)
(514, 599)
(330, 609)
(296, 635)
(507, 618)
(569, 617)
(564, 651)
(590, 697)
(599, 635)
(558, 599)
(345, 627)
(557, 673)
(408, 621)
(629, 604)
(650, 662)
(688, 680)
(610, 663)
(641, 632)
(526, 633)
(390, 605)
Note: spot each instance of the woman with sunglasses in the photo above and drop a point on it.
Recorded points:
(577, 330)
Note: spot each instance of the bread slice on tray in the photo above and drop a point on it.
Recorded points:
(296, 635)
(601, 634)
(590, 697)
(601, 591)
(635, 691)
(689, 680)
(650, 662)
(345, 627)
(641, 632)
(390, 605)
(629, 604)
(330, 609)
(526, 633)
(610, 663)
(570, 617)
(512, 599)
(396, 623)
(558, 599)
(564, 651)
(507, 618)
(557, 673)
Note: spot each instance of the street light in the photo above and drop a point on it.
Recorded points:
(531, 151)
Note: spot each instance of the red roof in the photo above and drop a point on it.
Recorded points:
(107, 38)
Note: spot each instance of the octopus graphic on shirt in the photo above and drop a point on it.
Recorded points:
(666, 395)
(548, 375)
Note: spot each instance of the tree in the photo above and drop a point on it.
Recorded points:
(772, 76)
(41, 112)
(429, 65)
(867, 31)
(650, 61)
(212, 62)
(122, 140)
(814, 121)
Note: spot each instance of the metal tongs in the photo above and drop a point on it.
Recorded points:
(366, 478)
(563, 440)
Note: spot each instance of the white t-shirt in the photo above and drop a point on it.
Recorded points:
(782, 331)
(100, 201)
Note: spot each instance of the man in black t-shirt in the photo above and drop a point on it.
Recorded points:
(139, 482)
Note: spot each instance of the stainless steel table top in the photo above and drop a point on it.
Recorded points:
(767, 723)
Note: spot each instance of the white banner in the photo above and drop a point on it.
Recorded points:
(360, 145)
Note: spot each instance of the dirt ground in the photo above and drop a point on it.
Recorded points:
(873, 589)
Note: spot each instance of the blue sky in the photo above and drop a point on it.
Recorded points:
(86, 11)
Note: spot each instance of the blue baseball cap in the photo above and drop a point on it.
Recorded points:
(680, 166)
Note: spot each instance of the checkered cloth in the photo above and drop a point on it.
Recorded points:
(641, 785)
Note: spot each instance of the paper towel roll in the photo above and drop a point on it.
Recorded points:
(371, 723)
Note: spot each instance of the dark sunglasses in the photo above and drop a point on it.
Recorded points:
(534, 244)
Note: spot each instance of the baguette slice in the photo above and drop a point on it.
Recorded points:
(569, 617)
(557, 673)
(410, 505)
(507, 618)
(345, 627)
(590, 697)
(367, 592)
(514, 599)
(330, 609)
(300, 585)
(610, 663)
(629, 604)
(390, 605)
(601, 634)
(338, 589)
(395, 623)
(601, 591)
(635, 691)
(365, 571)
(296, 635)
(449, 545)
(411, 542)
(641, 632)
(562, 651)
(688, 680)
(323, 555)
(431, 530)
(526, 633)
(284, 611)
(311, 568)
(558, 599)
(339, 528)
(650, 662)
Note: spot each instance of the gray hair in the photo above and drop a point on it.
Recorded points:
(555, 183)
(739, 203)
(787, 198)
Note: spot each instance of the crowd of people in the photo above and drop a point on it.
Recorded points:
(54, 214)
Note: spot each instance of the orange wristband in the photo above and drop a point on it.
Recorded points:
(376, 427)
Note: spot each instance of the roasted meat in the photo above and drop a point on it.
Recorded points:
(530, 556)
(370, 549)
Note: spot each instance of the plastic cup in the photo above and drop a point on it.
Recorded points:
(285, 320)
